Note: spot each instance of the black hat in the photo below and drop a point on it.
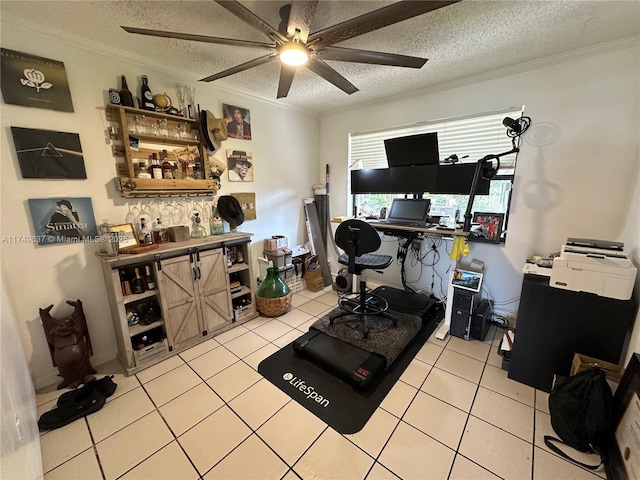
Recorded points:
(66, 203)
(239, 156)
(230, 210)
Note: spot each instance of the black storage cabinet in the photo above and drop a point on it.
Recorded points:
(553, 324)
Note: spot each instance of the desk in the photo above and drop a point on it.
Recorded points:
(403, 230)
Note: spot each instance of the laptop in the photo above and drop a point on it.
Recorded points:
(410, 212)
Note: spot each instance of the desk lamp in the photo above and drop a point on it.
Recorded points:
(484, 167)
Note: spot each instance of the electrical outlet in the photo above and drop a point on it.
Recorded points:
(416, 245)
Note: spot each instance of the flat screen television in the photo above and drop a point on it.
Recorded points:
(419, 149)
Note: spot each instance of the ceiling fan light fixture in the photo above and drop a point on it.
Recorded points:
(293, 54)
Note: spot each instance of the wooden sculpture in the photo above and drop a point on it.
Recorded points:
(69, 345)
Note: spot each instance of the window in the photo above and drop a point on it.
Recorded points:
(469, 138)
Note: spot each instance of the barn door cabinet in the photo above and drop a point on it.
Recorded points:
(191, 299)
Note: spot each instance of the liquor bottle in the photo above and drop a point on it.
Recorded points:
(177, 174)
(215, 222)
(156, 169)
(146, 237)
(149, 281)
(137, 283)
(197, 230)
(144, 171)
(126, 97)
(146, 97)
(167, 168)
(159, 232)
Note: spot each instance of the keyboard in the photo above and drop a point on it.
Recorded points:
(398, 223)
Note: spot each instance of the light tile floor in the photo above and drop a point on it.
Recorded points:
(208, 414)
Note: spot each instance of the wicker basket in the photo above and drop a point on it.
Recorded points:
(272, 307)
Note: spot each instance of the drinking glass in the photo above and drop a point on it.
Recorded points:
(142, 126)
(130, 217)
(163, 124)
(180, 94)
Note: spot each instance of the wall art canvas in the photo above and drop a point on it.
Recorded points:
(48, 154)
(247, 202)
(238, 121)
(62, 220)
(34, 81)
(240, 165)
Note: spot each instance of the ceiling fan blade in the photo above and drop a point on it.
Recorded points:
(247, 16)
(287, 73)
(241, 68)
(300, 18)
(366, 56)
(199, 38)
(329, 74)
(394, 13)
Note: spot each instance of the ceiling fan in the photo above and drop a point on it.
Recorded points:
(295, 46)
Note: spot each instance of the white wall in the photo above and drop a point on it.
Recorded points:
(285, 146)
(577, 173)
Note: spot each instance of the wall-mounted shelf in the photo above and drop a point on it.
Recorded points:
(129, 185)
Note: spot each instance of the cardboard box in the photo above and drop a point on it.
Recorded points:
(275, 242)
(581, 362)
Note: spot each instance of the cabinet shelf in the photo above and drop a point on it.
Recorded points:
(138, 329)
(165, 140)
(238, 267)
(139, 296)
(243, 291)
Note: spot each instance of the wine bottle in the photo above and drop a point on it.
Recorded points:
(146, 97)
(177, 174)
(126, 97)
(149, 281)
(137, 283)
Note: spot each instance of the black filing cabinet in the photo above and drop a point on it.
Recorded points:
(553, 324)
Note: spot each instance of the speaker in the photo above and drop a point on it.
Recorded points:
(481, 320)
(344, 281)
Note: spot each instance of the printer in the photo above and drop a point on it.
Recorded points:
(595, 266)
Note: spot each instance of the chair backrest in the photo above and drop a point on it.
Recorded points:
(357, 237)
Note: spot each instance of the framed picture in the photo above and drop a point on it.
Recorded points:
(624, 454)
(240, 166)
(127, 237)
(48, 154)
(247, 202)
(238, 121)
(486, 227)
(34, 81)
(62, 220)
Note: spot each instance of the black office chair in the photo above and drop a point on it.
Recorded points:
(358, 239)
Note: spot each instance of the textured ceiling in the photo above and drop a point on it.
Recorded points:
(462, 40)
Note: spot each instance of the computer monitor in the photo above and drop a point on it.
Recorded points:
(418, 179)
(466, 279)
(412, 150)
(409, 210)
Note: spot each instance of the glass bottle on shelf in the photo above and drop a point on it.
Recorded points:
(126, 97)
(177, 174)
(159, 232)
(146, 237)
(149, 281)
(197, 173)
(137, 284)
(197, 230)
(146, 97)
(215, 222)
(167, 169)
(156, 169)
(143, 170)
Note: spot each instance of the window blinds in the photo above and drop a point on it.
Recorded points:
(475, 136)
